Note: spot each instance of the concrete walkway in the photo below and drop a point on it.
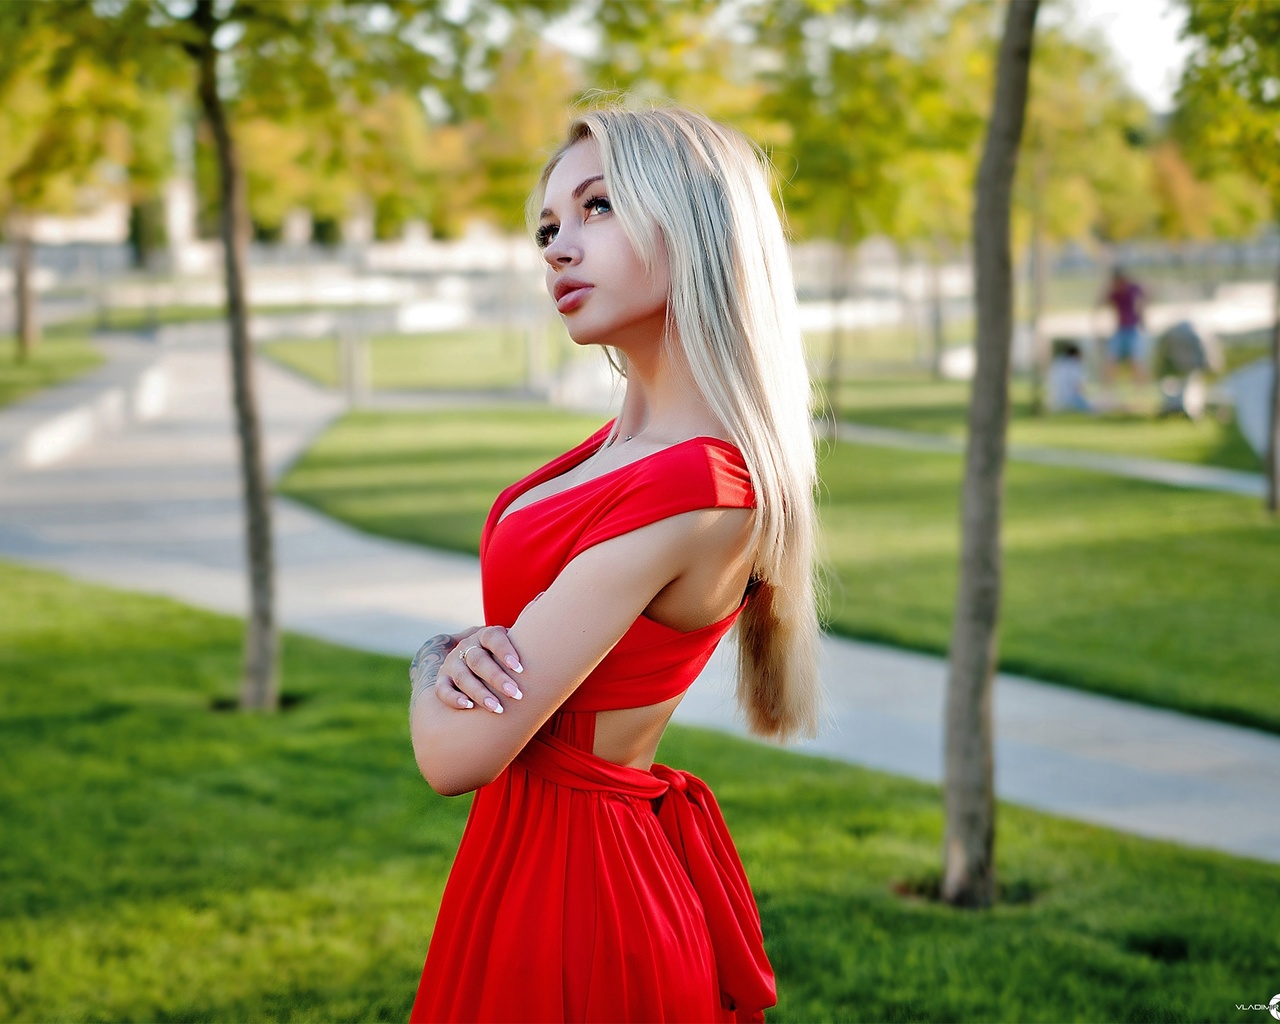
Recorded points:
(1160, 471)
(153, 505)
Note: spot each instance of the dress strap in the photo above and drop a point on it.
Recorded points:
(703, 472)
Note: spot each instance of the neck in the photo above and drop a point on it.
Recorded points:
(661, 399)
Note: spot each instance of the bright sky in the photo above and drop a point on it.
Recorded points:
(1144, 36)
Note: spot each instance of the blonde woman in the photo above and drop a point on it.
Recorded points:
(591, 883)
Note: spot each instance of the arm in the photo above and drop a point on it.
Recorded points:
(561, 636)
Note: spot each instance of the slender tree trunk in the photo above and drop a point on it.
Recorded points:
(27, 328)
(259, 687)
(937, 324)
(969, 843)
(1273, 435)
(1039, 274)
(839, 291)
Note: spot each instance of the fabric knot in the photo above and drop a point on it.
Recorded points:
(696, 829)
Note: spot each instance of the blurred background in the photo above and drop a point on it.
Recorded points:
(387, 212)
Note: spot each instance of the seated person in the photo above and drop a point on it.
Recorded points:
(1065, 380)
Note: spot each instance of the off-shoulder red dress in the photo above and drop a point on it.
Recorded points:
(585, 890)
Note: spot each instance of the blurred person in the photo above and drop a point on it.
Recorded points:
(1182, 357)
(1066, 379)
(591, 883)
(1128, 343)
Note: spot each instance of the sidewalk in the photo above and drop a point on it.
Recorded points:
(154, 506)
(1160, 471)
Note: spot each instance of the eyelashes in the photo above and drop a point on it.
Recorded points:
(546, 233)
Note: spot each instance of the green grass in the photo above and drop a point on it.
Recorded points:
(883, 344)
(428, 478)
(1151, 593)
(941, 406)
(60, 355)
(135, 318)
(473, 359)
(163, 861)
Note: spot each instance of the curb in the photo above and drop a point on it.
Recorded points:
(49, 426)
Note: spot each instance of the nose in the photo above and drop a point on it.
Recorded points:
(563, 251)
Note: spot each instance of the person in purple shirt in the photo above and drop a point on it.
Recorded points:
(1129, 342)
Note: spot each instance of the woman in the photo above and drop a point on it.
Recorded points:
(590, 883)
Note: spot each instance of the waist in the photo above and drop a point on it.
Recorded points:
(553, 759)
(690, 818)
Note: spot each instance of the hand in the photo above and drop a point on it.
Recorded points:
(478, 670)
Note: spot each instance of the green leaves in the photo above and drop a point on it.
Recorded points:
(1229, 101)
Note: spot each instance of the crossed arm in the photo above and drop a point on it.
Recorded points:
(560, 636)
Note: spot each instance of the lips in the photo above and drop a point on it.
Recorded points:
(570, 293)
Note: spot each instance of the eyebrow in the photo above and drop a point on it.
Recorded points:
(577, 193)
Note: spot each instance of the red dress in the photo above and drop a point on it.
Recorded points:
(584, 890)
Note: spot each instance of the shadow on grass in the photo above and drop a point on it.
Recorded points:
(164, 863)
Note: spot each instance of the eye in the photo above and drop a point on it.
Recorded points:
(545, 235)
(599, 204)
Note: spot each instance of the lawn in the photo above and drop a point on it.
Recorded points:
(137, 318)
(61, 354)
(167, 861)
(474, 359)
(921, 403)
(1151, 593)
(484, 358)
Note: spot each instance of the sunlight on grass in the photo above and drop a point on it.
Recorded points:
(1147, 592)
(488, 358)
(941, 406)
(163, 861)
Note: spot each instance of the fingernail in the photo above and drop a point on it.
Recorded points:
(511, 691)
(464, 703)
(493, 705)
(513, 663)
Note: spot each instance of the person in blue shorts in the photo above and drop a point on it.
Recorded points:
(1129, 342)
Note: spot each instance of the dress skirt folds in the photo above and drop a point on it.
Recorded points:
(585, 890)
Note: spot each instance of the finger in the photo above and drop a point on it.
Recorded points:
(450, 695)
(473, 686)
(495, 640)
(485, 668)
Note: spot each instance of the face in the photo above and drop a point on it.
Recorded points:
(595, 277)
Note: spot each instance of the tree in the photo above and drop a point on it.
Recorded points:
(62, 121)
(315, 62)
(1230, 93)
(969, 842)
(944, 128)
(1083, 171)
(842, 87)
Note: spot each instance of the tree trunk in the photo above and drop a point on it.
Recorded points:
(259, 687)
(969, 842)
(839, 291)
(1039, 275)
(937, 325)
(27, 328)
(1273, 436)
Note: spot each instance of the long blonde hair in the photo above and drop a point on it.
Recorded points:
(704, 190)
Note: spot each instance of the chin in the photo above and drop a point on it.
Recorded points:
(585, 334)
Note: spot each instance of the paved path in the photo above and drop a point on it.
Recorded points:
(152, 505)
(1160, 471)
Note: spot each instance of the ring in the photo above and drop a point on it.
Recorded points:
(468, 651)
